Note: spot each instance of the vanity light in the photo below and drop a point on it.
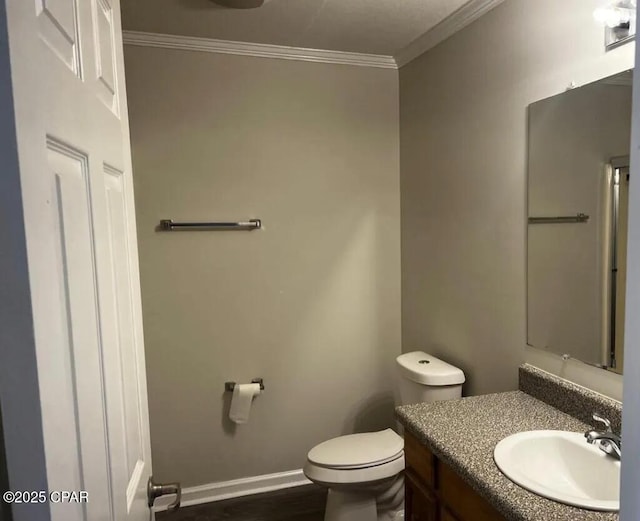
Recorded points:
(619, 20)
(613, 16)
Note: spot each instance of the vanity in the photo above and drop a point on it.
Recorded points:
(433, 490)
(449, 446)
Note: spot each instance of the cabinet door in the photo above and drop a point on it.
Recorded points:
(462, 500)
(420, 504)
(445, 515)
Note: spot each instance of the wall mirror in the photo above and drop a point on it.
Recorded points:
(578, 180)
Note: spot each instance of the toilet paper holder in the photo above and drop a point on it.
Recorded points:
(230, 386)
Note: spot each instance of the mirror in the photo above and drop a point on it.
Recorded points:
(578, 180)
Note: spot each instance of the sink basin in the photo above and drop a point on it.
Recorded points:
(562, 466)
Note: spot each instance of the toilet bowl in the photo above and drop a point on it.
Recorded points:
(364, 472)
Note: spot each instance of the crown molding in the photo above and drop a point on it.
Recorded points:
(190, 43)
(453, 23)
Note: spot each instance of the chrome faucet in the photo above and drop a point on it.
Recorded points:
(607, 441)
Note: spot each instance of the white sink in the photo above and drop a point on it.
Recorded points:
(562, 466)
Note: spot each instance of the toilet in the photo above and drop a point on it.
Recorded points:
(364, 472)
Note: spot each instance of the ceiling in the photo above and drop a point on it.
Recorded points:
(363, 26)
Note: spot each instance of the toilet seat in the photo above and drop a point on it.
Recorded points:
(331, 477)
(356, 458)
(356, 451)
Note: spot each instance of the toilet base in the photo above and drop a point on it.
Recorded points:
(350, 506)
(384, 502)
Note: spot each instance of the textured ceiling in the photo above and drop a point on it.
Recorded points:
(363, 26)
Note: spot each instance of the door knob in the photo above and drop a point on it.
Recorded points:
(155, 490)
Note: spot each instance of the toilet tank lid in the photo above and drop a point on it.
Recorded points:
(428, 370)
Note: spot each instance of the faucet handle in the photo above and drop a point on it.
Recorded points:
(601, 419)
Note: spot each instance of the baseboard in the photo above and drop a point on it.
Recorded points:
(235, 488)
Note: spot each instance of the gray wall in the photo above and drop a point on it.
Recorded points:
(312, 302)
(463, 180)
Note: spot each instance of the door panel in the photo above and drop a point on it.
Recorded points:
(105, 54)
(77, 453)
(129, 362)
(58, 27)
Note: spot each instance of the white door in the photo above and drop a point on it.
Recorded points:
(72, 371)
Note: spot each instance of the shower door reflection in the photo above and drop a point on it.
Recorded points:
(619, 181)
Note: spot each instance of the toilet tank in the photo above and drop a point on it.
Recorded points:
(425, 378)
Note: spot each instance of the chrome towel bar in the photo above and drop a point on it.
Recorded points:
(578, 218)
(167, 225)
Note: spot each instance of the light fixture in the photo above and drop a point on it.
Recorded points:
(613, 16)
(619, 20)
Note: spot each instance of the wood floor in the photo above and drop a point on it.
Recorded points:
(304, 503)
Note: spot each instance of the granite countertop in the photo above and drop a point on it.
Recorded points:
(464, 432)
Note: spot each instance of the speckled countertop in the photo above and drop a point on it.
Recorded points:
(463, 434)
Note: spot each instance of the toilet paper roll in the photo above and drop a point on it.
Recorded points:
(241, 401)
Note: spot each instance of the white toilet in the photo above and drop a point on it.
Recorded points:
(363, 472)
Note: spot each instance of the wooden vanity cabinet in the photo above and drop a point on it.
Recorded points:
(435, 492)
